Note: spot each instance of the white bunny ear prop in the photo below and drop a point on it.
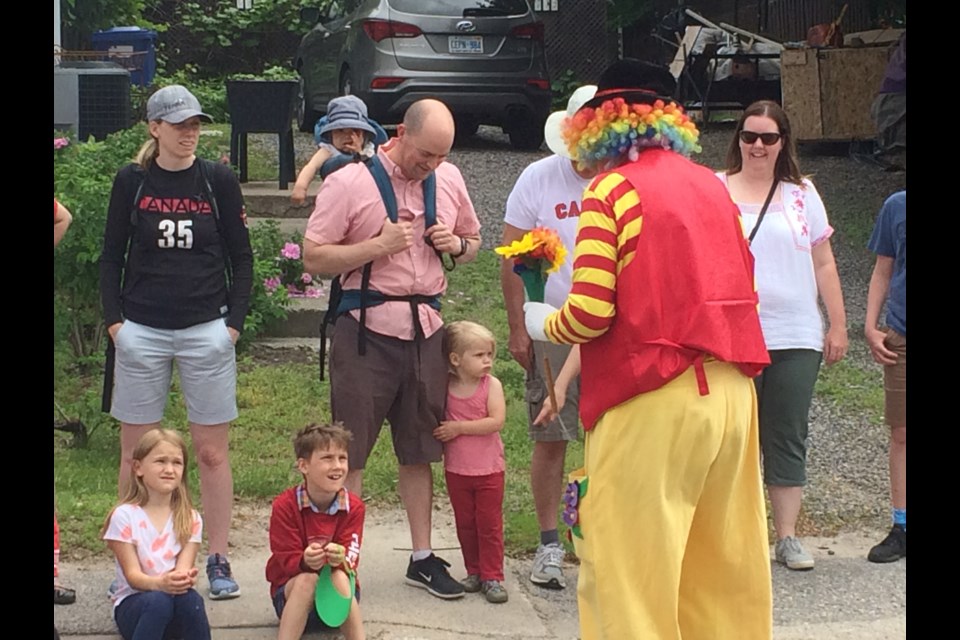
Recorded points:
(535, 316)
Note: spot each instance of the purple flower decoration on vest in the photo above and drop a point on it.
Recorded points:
(572, 498)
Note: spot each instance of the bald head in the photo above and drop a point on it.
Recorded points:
(430, 114)
(424, 138)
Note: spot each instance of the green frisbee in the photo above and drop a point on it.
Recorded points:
(332, 607)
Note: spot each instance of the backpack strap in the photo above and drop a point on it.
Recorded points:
(206, 182)
(336, 162)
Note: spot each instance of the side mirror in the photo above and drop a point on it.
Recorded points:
(310, 15)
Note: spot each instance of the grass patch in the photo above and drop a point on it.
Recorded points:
(847, 384)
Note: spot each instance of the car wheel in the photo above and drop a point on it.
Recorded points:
(346, 82)
(306, 115)
(465, 127)
(526, 134)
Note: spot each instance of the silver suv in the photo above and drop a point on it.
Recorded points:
(483, 58)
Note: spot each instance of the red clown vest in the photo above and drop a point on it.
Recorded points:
(687, 294)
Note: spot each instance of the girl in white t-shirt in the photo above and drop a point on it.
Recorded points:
(794, 266)
(155, 535)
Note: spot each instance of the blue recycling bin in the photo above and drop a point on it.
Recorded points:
(134, 48)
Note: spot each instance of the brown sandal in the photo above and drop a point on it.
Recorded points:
(63, 595)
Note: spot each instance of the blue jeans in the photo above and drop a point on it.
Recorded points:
(155, 615)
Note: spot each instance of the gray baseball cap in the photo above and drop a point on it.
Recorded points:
(174, 104)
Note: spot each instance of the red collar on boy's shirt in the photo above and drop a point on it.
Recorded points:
(340, 503)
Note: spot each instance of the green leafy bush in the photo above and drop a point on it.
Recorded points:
(267, 306)
(217, 35)
(562, 88)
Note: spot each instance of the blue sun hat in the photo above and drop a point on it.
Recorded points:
(348, 112)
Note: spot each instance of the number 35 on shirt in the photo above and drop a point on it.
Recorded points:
(175, 234)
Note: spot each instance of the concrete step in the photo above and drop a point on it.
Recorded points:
(303, 317)
(266, 200)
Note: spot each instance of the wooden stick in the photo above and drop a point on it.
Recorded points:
(748, 34)
(699, 18)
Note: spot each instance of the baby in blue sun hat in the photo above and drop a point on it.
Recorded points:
(345, 130)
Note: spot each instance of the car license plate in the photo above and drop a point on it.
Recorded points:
(466, 44)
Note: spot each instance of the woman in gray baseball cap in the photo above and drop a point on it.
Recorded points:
(176, 273)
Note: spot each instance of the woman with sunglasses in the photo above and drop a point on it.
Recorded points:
(786, 223)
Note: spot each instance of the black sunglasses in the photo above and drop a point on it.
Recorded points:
(768, 139)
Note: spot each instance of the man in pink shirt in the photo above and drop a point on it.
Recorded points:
(386, 360)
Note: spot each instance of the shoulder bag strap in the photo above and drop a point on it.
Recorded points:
(763, 211)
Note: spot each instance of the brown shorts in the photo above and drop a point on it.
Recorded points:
(396, 380)
(895, 381)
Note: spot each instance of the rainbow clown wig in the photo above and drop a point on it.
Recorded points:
(615, 131)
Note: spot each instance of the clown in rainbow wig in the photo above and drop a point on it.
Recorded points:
(667, 514)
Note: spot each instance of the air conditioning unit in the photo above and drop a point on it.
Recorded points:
(91, 98)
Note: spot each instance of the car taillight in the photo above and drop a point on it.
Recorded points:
(380, 29)
(385, 82)
(532, 31)
(539, 83)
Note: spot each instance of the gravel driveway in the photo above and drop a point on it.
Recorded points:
(847, 468)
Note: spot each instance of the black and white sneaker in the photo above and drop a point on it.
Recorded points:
(431, 574)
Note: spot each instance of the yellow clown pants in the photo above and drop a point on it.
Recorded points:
(673, 520)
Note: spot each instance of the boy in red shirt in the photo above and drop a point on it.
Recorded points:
(311, 525)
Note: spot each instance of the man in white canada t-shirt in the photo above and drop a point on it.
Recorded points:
(547, 194)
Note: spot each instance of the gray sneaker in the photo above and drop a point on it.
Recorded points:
(471, 584)
(790, 552)
(548, 567)
(494, 591)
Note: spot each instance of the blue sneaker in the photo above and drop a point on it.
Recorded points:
(222, 584)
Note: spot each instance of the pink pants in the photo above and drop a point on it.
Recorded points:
(56, 546)
(478, 509)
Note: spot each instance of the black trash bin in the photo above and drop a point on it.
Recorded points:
(262, 106)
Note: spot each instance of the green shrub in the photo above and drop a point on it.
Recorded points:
(266, 307)
(218, 36)
(562, 88)
(211, 92)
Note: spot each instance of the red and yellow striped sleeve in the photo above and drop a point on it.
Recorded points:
(610, 221)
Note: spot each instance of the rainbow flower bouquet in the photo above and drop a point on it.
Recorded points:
(537, 254)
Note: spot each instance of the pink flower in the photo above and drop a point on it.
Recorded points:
(306, 278)
(290, 251)
(271, 284)
(60, 143)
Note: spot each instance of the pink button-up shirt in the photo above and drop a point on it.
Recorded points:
(349, 210)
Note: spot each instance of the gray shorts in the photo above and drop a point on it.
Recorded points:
(206, 361)
(536, 393)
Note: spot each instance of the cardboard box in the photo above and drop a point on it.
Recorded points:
(828, 92)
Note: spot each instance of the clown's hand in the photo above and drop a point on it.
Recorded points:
(535, 315)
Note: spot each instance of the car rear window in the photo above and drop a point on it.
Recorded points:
(464, 8)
